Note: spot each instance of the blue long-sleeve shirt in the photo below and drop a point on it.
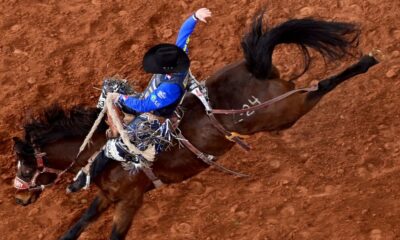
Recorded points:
(186, 30)
(165, 95)
(168, 91)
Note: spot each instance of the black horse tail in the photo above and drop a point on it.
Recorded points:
(331, 39)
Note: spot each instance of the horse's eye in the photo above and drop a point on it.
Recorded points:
(26, 173)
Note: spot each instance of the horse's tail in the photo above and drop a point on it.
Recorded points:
(331, 39)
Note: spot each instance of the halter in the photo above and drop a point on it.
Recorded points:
(32, 185)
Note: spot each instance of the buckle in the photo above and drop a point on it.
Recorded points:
(235, 134)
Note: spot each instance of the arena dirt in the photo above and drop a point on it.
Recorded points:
(334, 175)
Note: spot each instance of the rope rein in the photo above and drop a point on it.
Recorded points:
(91, 132)
(148, 154)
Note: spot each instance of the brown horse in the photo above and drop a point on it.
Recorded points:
(253, 78)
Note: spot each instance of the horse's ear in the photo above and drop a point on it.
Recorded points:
(18, 144)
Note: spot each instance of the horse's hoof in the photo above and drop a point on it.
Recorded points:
(378, 55)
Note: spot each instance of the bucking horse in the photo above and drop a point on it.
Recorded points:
(50, 144)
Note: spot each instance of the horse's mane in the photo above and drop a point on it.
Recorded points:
(56, 123)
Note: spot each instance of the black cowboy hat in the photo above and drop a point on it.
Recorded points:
(165, 58)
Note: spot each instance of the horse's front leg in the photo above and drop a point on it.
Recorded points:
(99, 205)
(123, 215)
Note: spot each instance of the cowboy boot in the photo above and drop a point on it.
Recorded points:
(83, 179)
(80, 181)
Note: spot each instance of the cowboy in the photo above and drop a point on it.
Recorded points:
(170, 65)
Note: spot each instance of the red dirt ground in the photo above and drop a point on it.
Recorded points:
(334, 175)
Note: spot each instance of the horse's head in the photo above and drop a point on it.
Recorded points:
(30, 178)
(36, 169)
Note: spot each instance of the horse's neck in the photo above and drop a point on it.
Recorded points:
(62, 153)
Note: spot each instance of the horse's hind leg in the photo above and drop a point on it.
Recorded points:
(98, 206)
(329, 84)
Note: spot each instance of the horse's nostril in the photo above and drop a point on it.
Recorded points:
(20, 202)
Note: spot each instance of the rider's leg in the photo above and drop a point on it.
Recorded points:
(89, 172)
(111, 151)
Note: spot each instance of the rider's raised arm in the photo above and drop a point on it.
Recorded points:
(184, 33)
(188, 27)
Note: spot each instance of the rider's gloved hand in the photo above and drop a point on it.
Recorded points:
(202, 14)
(118, 102)
(114, 97)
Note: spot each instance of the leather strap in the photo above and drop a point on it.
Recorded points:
(266, 103)
(229, 135)
(206, 158)
(150, 174)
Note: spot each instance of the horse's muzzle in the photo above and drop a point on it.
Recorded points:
(21, 202)
(26, 197)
